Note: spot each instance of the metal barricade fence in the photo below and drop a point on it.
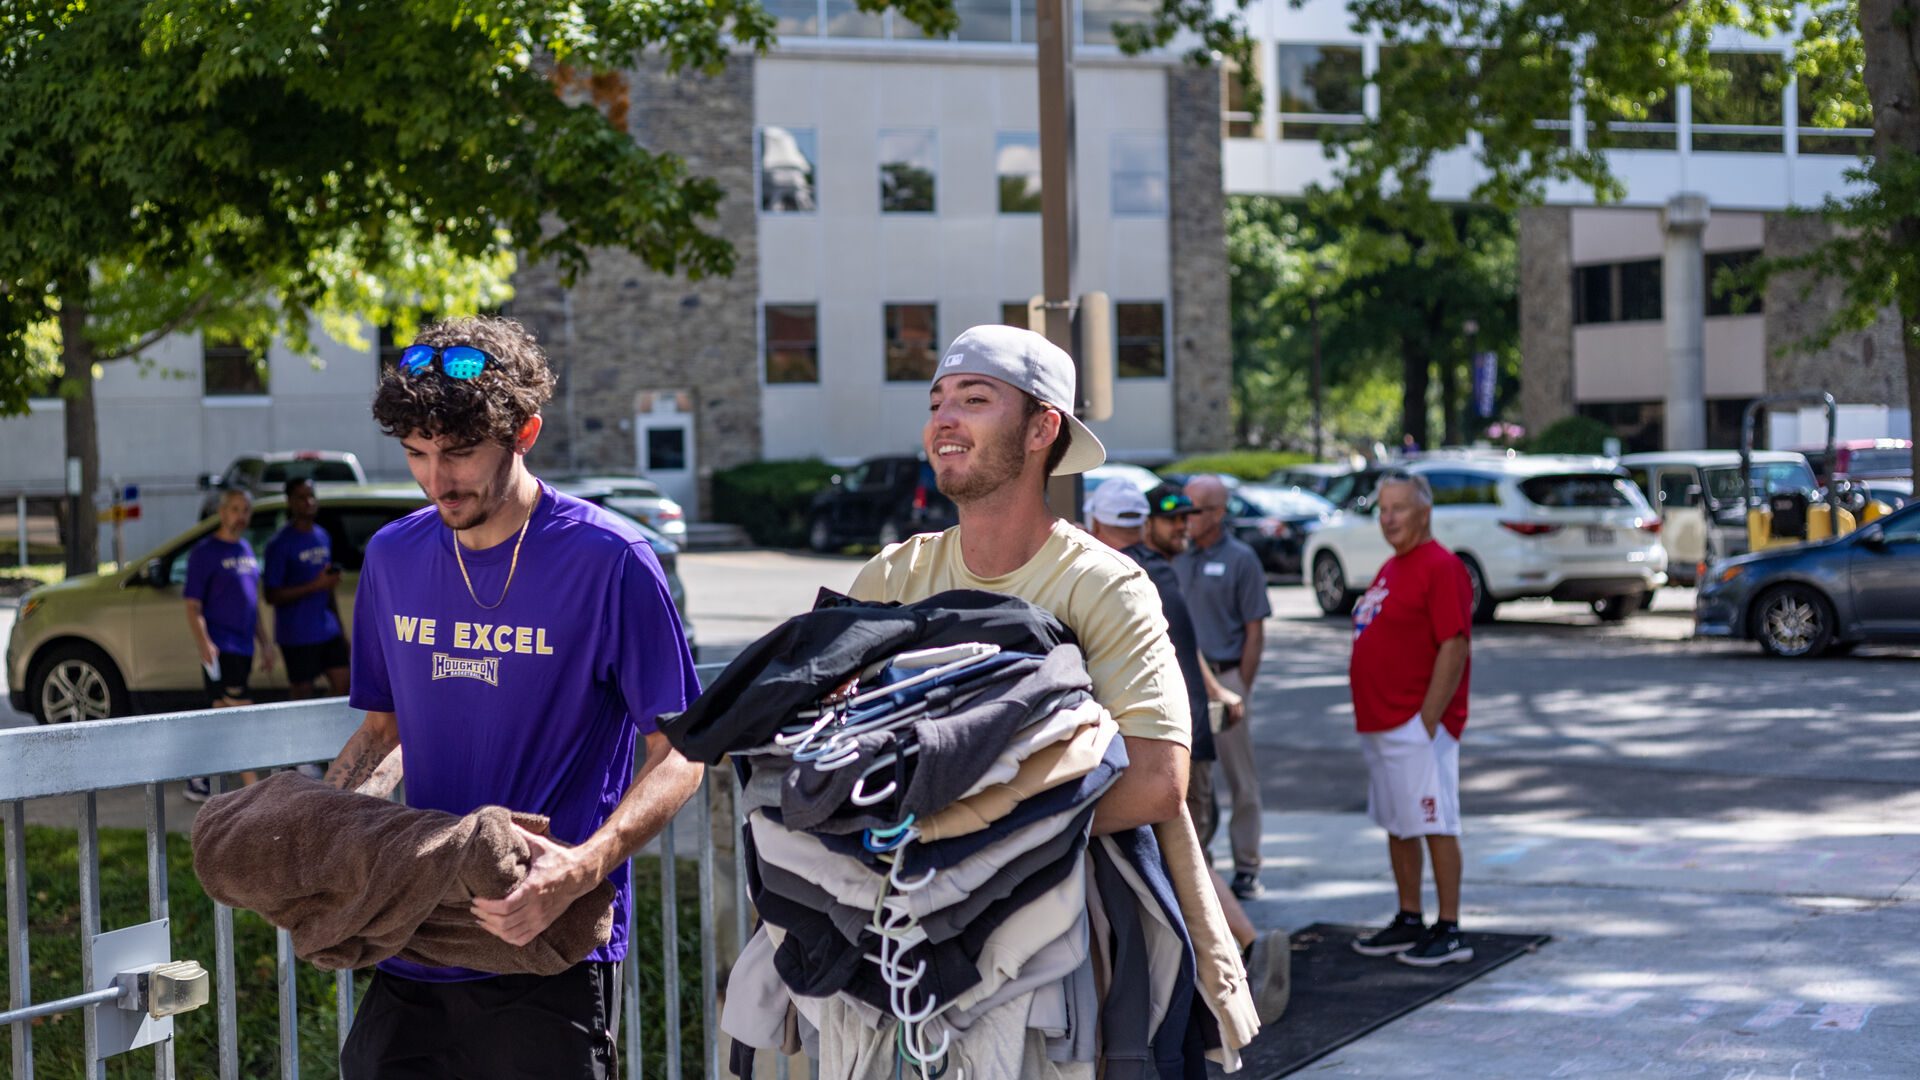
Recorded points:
(80, 761)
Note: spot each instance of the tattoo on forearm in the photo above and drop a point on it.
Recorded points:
(367, 767)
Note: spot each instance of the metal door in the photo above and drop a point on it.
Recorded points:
(665, 450)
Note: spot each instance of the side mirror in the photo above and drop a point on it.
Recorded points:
(153, 575)
(1873, 537)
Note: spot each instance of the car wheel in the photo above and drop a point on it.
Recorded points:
(890, 534)
(1330, 585)
(820, 534)
(76, 681)
(1617, 608)
(1793, 621)
(1483, 601)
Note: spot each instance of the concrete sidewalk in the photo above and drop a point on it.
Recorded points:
(1767, 948)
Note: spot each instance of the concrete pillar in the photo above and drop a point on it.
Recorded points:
(1684, 308)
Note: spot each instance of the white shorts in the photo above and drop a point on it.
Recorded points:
(1413, 782)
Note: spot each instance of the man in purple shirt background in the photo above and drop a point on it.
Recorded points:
(223, 612)
(513, 646)
(300, 577)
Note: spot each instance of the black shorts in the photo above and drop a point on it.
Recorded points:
(235, 670)
(306, 663)
(563, 1026)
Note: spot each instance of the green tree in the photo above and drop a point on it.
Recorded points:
(1393, 306)
(254, 170)
(1494, 76)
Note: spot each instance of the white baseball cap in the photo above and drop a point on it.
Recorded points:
(1117, 502)
(1030, 363)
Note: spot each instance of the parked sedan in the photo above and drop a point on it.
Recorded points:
(638, 498)
(1805, 600)
(882, 500)
(1275, 523)
(116, 644)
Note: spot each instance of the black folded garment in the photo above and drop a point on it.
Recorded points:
(808, 656)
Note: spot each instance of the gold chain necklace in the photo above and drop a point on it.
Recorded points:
(513, 566)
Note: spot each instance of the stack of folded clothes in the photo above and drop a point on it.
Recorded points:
(919, 787)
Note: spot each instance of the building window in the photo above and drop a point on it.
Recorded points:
(230, 369)
(787, 157)
(1399, 63)
(794, 18)
(1140, 340)
(1099, 17)
(1617, 292)
(1016, 160)
(1745, 114)
(845, 20)
(1319, 85)
(793, 343)
(908, 165)
(1734, 298)
(1237, 118)
(1014, 313)
(1139, 173)
(913, 342)
(1827, 125)
(984, 20)
(1655, 130)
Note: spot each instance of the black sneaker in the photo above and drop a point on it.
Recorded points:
(1403, 933)
(1246, 885)
(199, 789)
(1441, 944)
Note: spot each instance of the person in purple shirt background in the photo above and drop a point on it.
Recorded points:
(300, 577)
(513, 646)
(223, 612)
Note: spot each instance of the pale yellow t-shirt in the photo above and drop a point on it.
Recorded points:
(1101, 595)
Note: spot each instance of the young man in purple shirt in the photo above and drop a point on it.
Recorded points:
(513, 646)
(300, 577)
(223, 613)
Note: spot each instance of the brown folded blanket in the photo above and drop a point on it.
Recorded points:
(356, 880)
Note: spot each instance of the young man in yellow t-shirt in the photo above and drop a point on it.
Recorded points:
(1000, 423)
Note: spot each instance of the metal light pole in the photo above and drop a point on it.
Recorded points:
(1055, 37)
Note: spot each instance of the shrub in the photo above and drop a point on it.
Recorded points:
(770, 499)
(1249, 465)
(1571, 435)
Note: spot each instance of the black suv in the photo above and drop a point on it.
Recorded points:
(882, 500)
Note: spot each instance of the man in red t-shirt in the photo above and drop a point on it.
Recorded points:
(1409, 676)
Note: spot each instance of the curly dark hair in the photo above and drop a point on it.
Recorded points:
(490, 407)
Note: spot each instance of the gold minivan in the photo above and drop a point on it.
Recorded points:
(117, 644)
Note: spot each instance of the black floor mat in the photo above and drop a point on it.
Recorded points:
(1339, 995)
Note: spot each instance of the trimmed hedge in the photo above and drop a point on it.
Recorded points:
(1571, 435)
(770, 499)
(1249, 465)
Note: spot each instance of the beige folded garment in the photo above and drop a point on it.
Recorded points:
(356, 880)
(1050, 766)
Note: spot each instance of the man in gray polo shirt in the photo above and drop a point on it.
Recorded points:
(1226, 592)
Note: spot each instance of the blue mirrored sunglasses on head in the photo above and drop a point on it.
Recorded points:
(456, 361)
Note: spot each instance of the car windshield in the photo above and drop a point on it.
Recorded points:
(320, 472)
(1579, 489)
(1881, 461)
(1347, 490)
(1723, 484)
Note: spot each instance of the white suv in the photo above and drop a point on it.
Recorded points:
(1563, 527)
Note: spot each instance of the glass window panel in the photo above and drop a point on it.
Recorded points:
(1099, 17)
(1593, 294)
(984, 20)
(1401, 62)
(1029, 18)
(1751, 94)
(1828, 89)
(1140, 343)
(1656, 130)
(1640, 291)
(795, 18)
(230, 369)
(913, 342)
(1139, 173)
(846, 21)
(793, 343)
(666, 449)
(1732, 299)
(1322, 79)
(1017, 164)
(908, 165)
(787, 157)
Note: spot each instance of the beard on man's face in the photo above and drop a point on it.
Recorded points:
(997, 462)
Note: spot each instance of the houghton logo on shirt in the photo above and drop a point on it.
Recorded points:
(484, 668)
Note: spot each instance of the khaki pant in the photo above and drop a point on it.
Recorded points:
(1234, 747)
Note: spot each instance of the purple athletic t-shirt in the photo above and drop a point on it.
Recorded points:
(534, 705)
(225, 578)
(295, 557)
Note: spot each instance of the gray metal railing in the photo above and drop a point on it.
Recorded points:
(80, 761)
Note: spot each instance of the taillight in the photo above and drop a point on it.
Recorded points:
(919, 496)
(665, 514)
(1651, 525)
(1530, 528)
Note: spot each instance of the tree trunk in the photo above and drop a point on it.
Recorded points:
(1890, 36)
(83, 435)
(1413, 401)
(1450, 398)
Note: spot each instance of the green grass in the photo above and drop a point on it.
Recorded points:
(54, 921)
(1249, 465)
